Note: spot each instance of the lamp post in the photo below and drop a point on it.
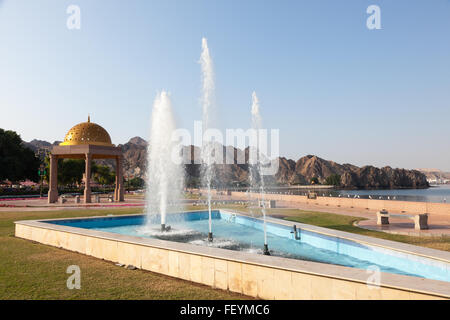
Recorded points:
(41, 172)
(41, 153)
(130, 176)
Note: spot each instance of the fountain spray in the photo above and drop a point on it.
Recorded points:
(207, 99)
(164, 175)
(256, 126)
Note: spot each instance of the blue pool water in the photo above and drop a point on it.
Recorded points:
(246, 234)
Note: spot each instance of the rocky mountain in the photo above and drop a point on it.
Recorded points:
(135, 157)
(436, 175)
(138, 141)
(40, 147)
(290, 172)
(352, 177)
(40, 144)
(369, 177)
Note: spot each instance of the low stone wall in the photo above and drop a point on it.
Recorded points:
(371, 204)
(225, 269)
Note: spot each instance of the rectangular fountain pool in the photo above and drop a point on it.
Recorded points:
(238, 232)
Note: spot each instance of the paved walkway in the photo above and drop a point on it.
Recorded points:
(36, 204)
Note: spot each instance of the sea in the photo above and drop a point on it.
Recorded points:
(440, 193)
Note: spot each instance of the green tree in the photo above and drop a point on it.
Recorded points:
(314, 180)
(137, 183)
(104, 175)
(333, 180)
(16, 161)
(70, 171)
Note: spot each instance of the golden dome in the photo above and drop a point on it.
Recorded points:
(87, 133)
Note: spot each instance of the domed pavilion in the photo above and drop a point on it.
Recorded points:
(88, 141)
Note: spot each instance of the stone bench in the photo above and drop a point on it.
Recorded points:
(267, 203)
(420, 220)
(311, 195)
(98, 198)
(62, 200)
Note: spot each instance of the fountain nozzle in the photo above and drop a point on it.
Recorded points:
(164, 228)
(210, 236)
(266, 250)
(295, 232)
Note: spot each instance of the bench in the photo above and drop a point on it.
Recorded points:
(311, 195)
(97, 198)
(420, 220)
(63, 198)
(267, 203)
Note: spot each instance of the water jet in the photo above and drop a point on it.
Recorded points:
(207, 104)
(257, 171)
(164, 175)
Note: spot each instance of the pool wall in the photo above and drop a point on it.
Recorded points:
(438, 269)
(253, 275)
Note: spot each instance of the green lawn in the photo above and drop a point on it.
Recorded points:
(34, 271)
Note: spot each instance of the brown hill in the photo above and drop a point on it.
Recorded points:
(290, 172)
(435, 174)
(369, 177)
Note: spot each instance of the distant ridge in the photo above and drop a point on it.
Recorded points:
(290, 172)
(138, 141)
(435, 174)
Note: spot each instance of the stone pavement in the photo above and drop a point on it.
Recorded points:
(41, 204)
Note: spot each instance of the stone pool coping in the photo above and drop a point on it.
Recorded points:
(410, 284)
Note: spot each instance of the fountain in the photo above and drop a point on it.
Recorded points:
(256, 176)
(164, 176)
(207, 104)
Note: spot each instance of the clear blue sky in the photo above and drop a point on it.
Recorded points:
(332, 87)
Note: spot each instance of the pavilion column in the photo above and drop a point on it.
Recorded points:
(87, 179)
(119, 191)
(53, 183)
(116, 189)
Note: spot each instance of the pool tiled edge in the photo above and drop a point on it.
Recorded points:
(254, 275)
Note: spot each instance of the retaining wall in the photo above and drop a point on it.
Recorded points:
(371, 204)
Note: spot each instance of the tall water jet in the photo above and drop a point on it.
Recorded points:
(207, 105)
(164, 175)
(256, 172)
